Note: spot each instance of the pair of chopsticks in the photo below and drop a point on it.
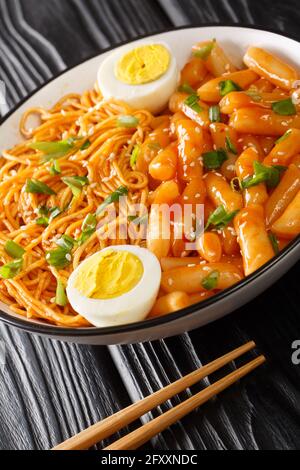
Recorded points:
(140, 436)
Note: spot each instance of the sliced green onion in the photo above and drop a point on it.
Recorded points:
(227, 86)
(143, 220)
(114, 197)
(66, 242)
(134, 155)
(54, 150)
(42, 221)
(11, 270)
(88, 228)
(211, 281)
(283, 137)
(76, 183)
(186, 88)
(55, 168)
(61, 296)
(128, 121)
(230, 147)
(86, 145)
(220, 218)
(193, 102)
(214, 159)
(214, 114)
(204, 51)
(47, 215)
(37, 187)
(263, 174)
(55, 212)
(275, 243)
(284, 107)
(59, 258)
(14, 250)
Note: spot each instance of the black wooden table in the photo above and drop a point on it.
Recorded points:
(50, 390)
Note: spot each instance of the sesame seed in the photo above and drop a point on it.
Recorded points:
(68, 257)
(170, 282)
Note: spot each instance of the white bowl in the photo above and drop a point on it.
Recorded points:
(235, 41)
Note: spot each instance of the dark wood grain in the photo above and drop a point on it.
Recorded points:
(50, 390)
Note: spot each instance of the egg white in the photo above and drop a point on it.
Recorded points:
(153, 96)
(131, 307)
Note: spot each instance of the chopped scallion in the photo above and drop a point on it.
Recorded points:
(14, 249)
(284, 107)
(210, 282)
(214, 159)
(11, 270)
(227, 86)
(38, 187)
(114, 197)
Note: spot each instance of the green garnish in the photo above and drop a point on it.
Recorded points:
(204, 51)
(230, 147)
(47, 215)
(37, 187)
(214, 114)
(193, 102)
(86, 145)
(214, 159)
(10, 270)
(61, 297)
(283, 137)
(284, 107)
(275, 243)
(55, 168)
(54, 150)
(227, 86)
(210, 282)
(59, 149)
(114, 197)
(220, 218)
(66, 242)
(136, 220)
(186, 88)
(59, 258)
(14, 250)
(263, 174)
(127, 121)
(134, 155)
(76, 183)
(88, 228)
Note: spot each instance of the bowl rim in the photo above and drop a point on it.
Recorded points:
(57, 331)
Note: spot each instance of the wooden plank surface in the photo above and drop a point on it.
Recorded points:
(50, 390)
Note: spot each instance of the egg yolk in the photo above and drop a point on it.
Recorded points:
(143, 65)
(109, 275)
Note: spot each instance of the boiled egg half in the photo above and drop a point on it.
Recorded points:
(144, 76)
(115, 286)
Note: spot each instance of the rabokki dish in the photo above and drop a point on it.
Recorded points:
(152, 191)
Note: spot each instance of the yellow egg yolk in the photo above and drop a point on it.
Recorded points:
(109, 274)
(143, 65)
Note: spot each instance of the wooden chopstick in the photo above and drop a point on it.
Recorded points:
(142, 435)
(122, 418)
